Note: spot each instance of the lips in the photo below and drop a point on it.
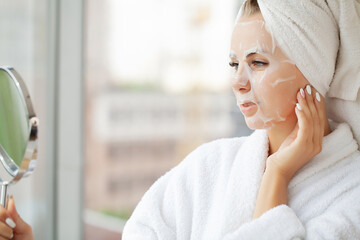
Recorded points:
(247, 104)
(247, 107)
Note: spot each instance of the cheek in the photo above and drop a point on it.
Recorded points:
(277, 93)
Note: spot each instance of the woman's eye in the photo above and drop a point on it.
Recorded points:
(233, 64)
(258, 63)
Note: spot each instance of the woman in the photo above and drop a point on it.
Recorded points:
(297, 175)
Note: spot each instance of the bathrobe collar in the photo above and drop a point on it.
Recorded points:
(339, 144)
(249, 164)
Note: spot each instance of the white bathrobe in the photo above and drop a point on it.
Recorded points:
(212, 194)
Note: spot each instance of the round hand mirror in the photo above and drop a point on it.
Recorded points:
(18, 131)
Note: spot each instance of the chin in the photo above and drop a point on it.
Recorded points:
(254, 124)
(260, 120)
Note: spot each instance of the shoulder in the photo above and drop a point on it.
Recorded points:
(217, 147)
(213, 154)
(204, 161)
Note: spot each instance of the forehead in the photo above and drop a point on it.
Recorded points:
(251, 32)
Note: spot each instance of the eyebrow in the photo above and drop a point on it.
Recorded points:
(253, 51)
(250, 52)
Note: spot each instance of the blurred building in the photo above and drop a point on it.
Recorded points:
(141, 135)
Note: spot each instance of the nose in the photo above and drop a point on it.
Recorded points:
(241, 80)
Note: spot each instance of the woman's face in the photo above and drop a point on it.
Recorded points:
(263, 75)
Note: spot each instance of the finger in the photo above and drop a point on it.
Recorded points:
(320, 107)
(307, 124)
(301, 97)
(320, 120)
(4, 217)
(310, 100)
(302, 118)
(21, 226)
(310, 92)
(5, 231)
(1, 238)
(3, 214)
(11, 208)
(6, 223)
(317, 129)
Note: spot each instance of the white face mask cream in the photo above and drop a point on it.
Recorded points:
(265, 80)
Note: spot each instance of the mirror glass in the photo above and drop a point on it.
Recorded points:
(14, 119)
(18, 131)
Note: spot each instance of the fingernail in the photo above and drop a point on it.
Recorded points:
(302, 92)
(12, 235)
(10, 222)
(298, 106)
(308, 89)
(318, 96)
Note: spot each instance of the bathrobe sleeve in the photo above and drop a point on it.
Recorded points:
(341, 221)
(154, 216)
(166, 209)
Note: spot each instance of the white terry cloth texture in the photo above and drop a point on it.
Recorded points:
(212, 194)
(323, 39)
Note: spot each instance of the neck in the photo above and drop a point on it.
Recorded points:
(279, 132)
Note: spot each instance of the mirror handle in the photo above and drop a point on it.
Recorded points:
(3, 194)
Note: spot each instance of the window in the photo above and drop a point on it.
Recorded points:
(157, 86)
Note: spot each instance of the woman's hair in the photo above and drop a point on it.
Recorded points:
(250, 7)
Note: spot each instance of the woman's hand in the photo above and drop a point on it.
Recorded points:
(11, 224)
(305, 141)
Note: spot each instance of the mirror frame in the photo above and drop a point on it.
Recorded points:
(29, 161)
